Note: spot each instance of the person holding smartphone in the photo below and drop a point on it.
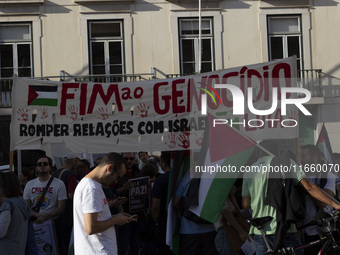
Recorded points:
(94, 225)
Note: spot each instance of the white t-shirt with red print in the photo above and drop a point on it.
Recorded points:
(56, 191)
(89, 197)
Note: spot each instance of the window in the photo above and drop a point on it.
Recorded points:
(189, 45)
(284, 37)
(15, 50)
(106, 48)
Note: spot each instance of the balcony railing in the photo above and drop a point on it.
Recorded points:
(309, 79)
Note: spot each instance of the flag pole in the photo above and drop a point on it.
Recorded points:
(199, 37)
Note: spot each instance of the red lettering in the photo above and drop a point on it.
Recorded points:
(266, 83)
(175, 95)
(83, 99)
(276, 77)
(224, 92)
(166, 99)
(242, 71)
(250, 73)
(65, 95)
(41, 190)
(98, 89)
(192, 94)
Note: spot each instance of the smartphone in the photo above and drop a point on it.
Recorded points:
(134, 216)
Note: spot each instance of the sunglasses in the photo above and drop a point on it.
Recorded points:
(42, 164)
(126, 159)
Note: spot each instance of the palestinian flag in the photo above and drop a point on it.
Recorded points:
(325, 145)
(42, 95)
(222, 145)
(225, 147)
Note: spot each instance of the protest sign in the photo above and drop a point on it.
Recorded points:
(45, 238)
(139, 194)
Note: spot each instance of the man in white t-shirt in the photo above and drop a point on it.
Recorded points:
(54, 202)
(94, 231)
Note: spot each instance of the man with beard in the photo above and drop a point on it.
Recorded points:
(53, 204)
(55, 198)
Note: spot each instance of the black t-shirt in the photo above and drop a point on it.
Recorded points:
(111, 194)
(160, 191)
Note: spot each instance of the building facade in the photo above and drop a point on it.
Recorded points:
(124, 40)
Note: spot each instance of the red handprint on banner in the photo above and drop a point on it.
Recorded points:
(103, 113)
(23, 113)
(172, 141)
(184, 140)
(186, 133)
(143, 110)
(44, 113)
(73, 110)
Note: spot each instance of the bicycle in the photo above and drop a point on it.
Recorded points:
(329, 233)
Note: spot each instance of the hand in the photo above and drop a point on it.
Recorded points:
(23, 113)
(122, 200)
(104, 114)
(172, 141)
(41, 217)
(123, 218)
(143, 110)
(337, 206)
(185, 141)
(73, 112)
(117, 201)
(44, 113)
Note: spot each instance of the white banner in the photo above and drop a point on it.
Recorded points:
(152, 115)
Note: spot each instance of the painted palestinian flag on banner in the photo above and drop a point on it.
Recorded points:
(228, 148)
(42, 95)
(325, 145)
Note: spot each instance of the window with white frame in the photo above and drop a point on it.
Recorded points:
(106, 47)
(189, 41)
(284, 38)
(15, 50)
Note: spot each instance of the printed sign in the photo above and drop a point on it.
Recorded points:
(45, 238)
(139, 194)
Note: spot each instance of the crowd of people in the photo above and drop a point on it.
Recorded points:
(92, 205)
